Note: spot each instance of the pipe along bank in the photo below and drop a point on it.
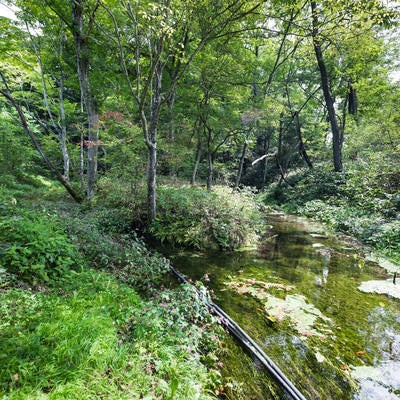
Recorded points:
(247, 342)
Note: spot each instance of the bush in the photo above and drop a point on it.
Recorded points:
(34, 248)
(194, 217)
(122, 254)
(318, 183)
(387, 238)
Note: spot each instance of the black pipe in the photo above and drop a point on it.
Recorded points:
(248, 343)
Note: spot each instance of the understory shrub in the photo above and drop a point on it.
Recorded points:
(318, 183)
(125, 255)
(33, 247)
(195, 217)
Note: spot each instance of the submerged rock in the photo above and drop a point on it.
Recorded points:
(306, 319)
(381, 287)
(380, 382)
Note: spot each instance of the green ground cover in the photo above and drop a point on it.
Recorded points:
(83, 313)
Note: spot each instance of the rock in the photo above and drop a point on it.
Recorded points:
(381, 287)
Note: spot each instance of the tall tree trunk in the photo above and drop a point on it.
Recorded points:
(336, 135)
(196, 162)
(151, 142)
(171, 120)
(241, 163)
(266, 149)
(210, 154)
(151, 182)
(302, 149)
(81, 41)
(63, 124)
(210, 175)
(63, 131)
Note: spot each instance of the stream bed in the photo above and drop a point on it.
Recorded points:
(303, 296)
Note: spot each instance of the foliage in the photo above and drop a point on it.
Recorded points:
(34, 248)
(195, 217)
(363, 202)
(100, 340)
(105, 244)
(124, 194)
(316, 183)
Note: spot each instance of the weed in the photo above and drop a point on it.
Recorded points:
(194, 217)
(34, 248)
(101, 341)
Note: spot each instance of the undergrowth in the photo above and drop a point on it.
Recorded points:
(101, 340)
(73, 324)
(195, 217)
(363, 202)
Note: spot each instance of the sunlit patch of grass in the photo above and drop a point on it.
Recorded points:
(83, 345)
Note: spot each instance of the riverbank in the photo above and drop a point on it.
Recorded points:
(363, 203)
(83, 313)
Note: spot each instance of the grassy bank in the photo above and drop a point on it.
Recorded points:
(83, 315)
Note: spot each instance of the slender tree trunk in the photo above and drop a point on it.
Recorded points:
(302, 149)
(36, 143)
(171, 127)
(63, 124)
(171, 120)
(266, 149)
(151, 141)
(336, 135)
(241, 163)
(210, 175)
(196, 163)
(151, 182)
(63, 131)
(82, 162)
(81, 41)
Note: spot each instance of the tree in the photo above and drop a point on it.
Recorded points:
(329, 101)
(6, 92)
(159, 34)
(78, 18)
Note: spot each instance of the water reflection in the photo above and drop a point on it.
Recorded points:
(302, 275)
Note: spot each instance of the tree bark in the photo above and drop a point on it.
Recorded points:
(266, 149)
(196, 163)
(151, 141)
(81, 41)
(302, 149)
(35, 142)
(210, 170)
(63, 131)
(336, 135)
(241, 163)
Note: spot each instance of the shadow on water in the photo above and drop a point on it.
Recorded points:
(298, 298)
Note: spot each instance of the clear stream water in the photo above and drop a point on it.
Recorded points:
(298, 297)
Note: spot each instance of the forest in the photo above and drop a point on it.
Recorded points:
(130, 125)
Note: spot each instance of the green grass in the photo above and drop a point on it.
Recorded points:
(96, 340)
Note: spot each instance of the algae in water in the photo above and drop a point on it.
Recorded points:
(306, 319)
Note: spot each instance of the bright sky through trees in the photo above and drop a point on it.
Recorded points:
(6, 11)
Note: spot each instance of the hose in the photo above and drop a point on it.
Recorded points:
(248, 343)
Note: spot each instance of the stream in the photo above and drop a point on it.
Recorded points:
(303, 297)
